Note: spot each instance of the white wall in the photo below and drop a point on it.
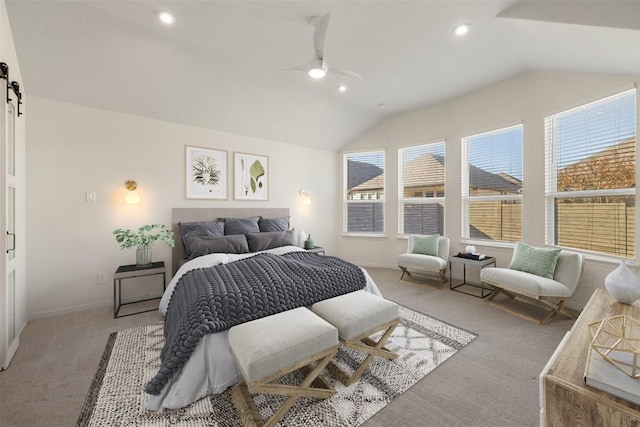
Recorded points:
(72, 149)
(525, 99)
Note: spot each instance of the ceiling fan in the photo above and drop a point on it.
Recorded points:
(317, 67)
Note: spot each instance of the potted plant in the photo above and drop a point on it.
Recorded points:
(143, 239)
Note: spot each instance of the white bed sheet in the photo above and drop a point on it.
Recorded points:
(211, 368)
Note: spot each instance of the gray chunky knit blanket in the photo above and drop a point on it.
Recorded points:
(214, 299)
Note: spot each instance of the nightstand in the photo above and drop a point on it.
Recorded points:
(317, 249)
(131, 272)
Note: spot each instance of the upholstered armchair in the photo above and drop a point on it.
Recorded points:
(547, 276)
(426, 254)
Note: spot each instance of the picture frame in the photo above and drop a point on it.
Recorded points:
(206, 173)
(251, 176)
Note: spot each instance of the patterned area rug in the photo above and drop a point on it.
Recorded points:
(131, 358)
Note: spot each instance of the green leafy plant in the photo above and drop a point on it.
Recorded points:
(145, 236)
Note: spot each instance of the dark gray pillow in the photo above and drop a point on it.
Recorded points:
(236, 244)
(268, 240)
(241, 225)
(274, 224)
(199, 229)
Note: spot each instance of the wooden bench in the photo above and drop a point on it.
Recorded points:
(271, 347)
(358, 315)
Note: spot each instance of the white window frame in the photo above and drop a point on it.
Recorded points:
(551, 181)
(467, 199)
(416, 200)
(346, 202)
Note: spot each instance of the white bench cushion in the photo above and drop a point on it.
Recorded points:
(356, 313)
(422, 262)
(265, 346)
(525, 283)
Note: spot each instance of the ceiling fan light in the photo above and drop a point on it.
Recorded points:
(317, 73)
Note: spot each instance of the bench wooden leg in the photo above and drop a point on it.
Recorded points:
(311, 386)
(365, 344)
(404, 270)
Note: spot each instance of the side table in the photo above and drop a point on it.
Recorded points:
(130, 272)
(476, 263)
(317, 249)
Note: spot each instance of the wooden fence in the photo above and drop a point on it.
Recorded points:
(600, 227)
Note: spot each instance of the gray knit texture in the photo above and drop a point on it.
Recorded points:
(214, 299)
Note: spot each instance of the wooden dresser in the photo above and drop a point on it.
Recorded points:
(564, 397)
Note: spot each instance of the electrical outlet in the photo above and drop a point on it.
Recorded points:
(102, 278)
(588, 282)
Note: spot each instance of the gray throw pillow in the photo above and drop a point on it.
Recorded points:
(539, 261)
(199, 229)
(241, 225)
(274, 224)
(236, 244)
(269, 240)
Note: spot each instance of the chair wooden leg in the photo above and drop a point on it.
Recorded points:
(404, 270)
(443, 277)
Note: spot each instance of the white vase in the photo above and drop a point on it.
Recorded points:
(143, 256)
(302, 237)
(623, 284)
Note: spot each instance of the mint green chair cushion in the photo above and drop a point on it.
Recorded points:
(425, 245)
(538, 261)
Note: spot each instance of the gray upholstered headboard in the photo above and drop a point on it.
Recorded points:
(211, 214)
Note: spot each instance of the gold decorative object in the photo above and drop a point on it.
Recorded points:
(617, 340)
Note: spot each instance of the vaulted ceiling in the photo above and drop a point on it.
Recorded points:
(213, 67)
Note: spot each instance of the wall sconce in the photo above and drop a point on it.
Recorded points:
(306, 200)
(132, 197)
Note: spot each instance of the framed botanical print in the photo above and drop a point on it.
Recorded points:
(251, 177)
(206, 173)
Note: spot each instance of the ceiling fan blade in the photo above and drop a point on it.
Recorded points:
(320, 34)
(304, 67)
(345, 73)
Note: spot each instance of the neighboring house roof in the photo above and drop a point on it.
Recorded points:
(428, 170)
(361, 172)
(480, 178)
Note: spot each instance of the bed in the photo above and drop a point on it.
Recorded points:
(211, 368)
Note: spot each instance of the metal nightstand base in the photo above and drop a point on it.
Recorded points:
(130, 272)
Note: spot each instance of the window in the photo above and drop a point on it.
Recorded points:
(364, 192)
(591, 176)
(492, 185)
(421, 189)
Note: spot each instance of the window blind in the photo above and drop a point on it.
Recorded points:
(421, 192)
(591, 176)
(492, 185)
(364, 192)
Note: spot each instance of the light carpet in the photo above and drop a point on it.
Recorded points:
(132, 357)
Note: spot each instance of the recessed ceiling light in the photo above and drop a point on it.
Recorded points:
(462, 29)
(342, 88)
(166, 17)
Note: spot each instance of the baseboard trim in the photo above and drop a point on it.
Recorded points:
(375, 265)
(109, 303)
